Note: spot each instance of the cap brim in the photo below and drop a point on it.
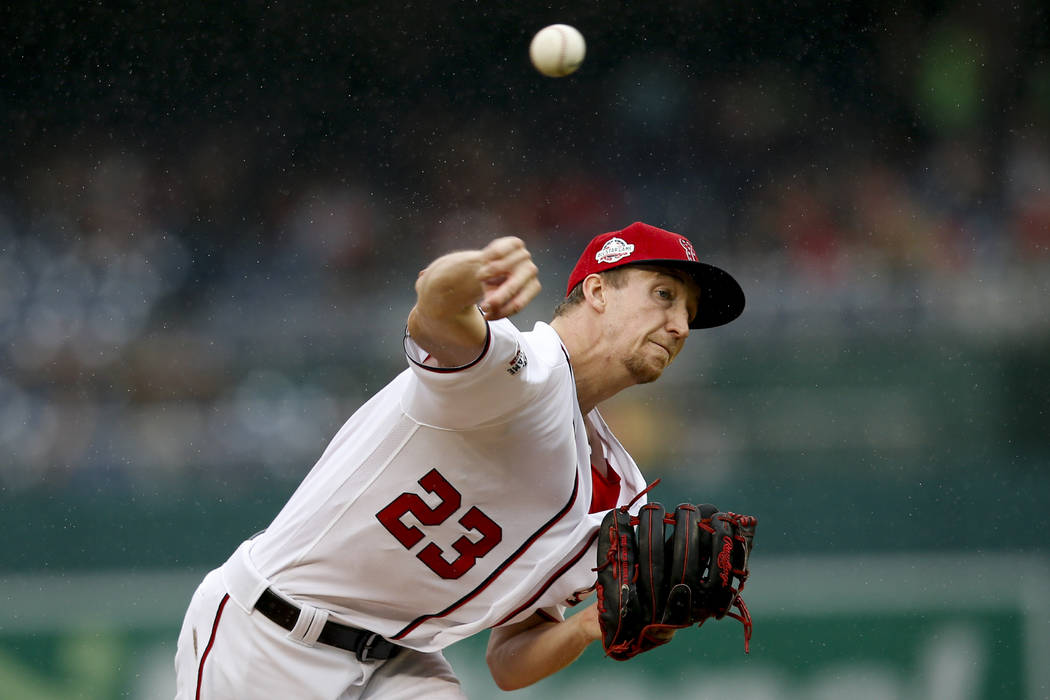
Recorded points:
(721, 297)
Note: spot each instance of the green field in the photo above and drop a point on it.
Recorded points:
(908, 627)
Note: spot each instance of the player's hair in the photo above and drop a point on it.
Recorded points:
(614, 278)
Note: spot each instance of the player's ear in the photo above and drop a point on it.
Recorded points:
(594, 292)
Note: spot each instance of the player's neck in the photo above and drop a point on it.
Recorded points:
(597, 378)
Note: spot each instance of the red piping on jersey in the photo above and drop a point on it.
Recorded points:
(550, 582)
(446, 370)
(499, 570)
(211, 641)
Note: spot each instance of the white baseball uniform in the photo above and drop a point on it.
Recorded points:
(453, 501)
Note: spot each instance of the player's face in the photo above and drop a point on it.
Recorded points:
(651, 314)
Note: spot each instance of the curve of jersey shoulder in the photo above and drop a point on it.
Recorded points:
(513, 369)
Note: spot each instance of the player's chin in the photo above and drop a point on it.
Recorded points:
(645, 370)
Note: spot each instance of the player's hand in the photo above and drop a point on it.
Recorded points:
(587, 620)
(509, 279)
(500, 278)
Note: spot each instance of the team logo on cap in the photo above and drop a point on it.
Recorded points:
(688, 247)
(613, 250)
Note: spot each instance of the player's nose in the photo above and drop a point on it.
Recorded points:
(678, 321)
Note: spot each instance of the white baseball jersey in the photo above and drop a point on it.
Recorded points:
(452, 501)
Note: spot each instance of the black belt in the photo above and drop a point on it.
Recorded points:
(366, 645)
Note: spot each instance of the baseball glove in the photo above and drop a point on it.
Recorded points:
(660, 571)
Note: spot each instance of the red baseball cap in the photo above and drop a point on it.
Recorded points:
(721, 298)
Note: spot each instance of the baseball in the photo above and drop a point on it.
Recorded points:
(557, 50)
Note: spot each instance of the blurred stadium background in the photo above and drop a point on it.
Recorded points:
(211, 217)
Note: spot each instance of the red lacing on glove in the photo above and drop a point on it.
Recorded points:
(738, 602)
(634, 521)
(641, 493)
(745, 618)
(613, 553)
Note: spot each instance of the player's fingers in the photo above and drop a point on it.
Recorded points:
(498, 305)
(503, 254)
(505, 283)
(662, 634)
(523, 297)
(501, 247)
(503, 262)
(507, 300)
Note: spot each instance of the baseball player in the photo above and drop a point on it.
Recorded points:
(466, 495)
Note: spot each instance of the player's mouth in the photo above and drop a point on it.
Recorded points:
(667, 350)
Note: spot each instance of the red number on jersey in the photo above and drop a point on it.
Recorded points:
(411, 503)
(432, 555)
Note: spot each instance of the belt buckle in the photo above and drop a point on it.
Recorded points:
(363, 650)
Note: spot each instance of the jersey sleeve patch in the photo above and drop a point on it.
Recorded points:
(517, 363)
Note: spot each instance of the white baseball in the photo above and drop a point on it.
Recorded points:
(557, 50)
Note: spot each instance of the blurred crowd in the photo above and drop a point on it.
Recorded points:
(188, 306)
